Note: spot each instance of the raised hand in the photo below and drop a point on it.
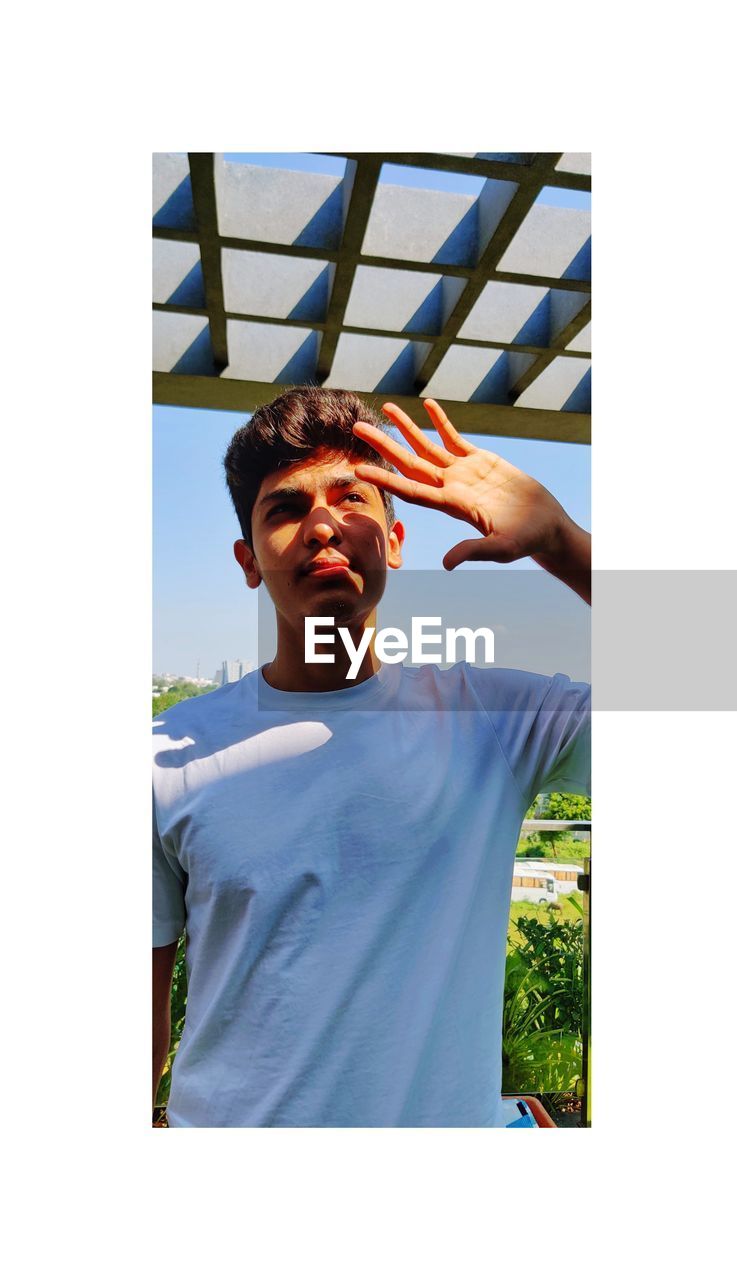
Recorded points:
(515, 515)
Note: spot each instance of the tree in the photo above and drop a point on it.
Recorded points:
(177, 693)
(560, 807)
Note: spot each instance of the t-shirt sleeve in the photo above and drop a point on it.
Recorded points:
(169, 887)
(543, 726)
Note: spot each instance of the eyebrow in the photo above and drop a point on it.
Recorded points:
(336, 482)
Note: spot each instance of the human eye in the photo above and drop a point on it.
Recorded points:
(354, 496)
(282, 508)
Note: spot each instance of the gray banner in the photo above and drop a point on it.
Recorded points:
(663, 640)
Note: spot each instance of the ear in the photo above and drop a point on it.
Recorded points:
(247, 562)
(394, 545)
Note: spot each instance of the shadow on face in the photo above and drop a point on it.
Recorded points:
(321, 541)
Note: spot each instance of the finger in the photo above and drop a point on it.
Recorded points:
(408, 463)
(460, 552)
(423, 447)
(502, 550)
(453, 442)
(411, 490)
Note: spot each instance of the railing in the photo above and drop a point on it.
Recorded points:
(583, 1088)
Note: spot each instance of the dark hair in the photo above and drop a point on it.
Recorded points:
(288, 430)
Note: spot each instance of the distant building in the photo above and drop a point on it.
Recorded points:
(233, 669)
(162, 680)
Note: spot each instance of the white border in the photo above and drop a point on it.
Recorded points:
(95, 1181)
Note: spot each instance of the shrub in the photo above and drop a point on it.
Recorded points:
(543, 1007)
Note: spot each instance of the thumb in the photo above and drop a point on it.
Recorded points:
(489, 548)
(469, 549)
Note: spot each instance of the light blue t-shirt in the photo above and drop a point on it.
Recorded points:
(342, 863)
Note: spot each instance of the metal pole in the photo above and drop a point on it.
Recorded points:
(584, 883)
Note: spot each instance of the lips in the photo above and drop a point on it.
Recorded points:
(327, 568)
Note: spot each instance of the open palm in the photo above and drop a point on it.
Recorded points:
(515, 514)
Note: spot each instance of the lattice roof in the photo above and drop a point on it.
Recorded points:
(267, 277)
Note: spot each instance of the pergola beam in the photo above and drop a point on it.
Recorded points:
(530, 186)
(202, 176)
(502, 170)
(545, 358)
(370, 260)
(559, 347)
(468, 416)
(363, 181)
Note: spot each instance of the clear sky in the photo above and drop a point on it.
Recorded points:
(203, 611)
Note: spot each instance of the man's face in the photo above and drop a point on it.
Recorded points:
(321, 543)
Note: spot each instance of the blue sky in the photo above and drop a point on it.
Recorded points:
(203, 612)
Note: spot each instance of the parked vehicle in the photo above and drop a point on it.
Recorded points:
(565, 874)
(531, 884)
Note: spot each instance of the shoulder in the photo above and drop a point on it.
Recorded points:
(505, 688)
(492, 688)
(502, 694)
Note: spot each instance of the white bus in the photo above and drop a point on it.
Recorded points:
(531, 884)
(565, 874)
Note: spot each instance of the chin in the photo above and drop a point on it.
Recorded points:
(341, 594)
(339, 604)
(344, 606)
(346, 610)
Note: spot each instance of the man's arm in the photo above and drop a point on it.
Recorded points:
(162, 972)
(515, 515)
(569, 559)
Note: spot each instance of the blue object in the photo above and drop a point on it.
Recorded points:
(518, 1114)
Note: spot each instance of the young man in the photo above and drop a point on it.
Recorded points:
(340, 851)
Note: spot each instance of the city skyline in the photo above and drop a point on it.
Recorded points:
(229, 670)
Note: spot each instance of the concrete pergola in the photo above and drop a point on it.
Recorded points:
(264, 278)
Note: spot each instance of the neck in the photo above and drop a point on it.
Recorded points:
(291, 673)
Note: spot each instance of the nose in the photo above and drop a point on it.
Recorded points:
(321, 529)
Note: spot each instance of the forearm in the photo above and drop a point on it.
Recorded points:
(161, 1038)
(570, 559)
(162, 971)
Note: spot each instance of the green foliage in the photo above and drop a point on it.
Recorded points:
(559, 845)
(177, 693)
(543, 1005)
(568, 907)
(553, 952)
(566, 849)
(560, 807)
